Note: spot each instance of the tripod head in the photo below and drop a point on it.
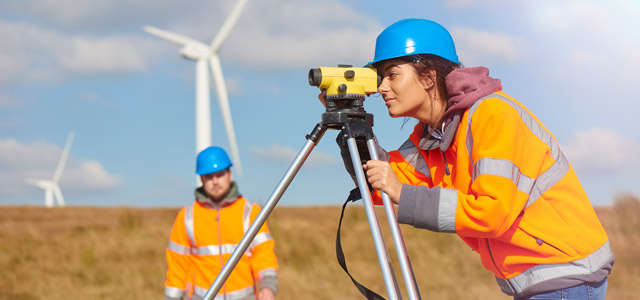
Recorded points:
(346, 89)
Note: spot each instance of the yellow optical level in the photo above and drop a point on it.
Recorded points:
(345, 80)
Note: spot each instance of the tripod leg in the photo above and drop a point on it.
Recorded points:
(403, 255)
(383, 256)
(312, 140)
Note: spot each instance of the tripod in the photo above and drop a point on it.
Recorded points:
(347, 114)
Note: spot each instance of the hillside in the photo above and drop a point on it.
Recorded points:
(118, 253)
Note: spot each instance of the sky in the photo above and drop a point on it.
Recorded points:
(88, 67)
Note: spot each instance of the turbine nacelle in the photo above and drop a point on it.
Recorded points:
(196, 51)
(41, 183)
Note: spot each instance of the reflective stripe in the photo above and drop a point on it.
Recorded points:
(188, 224)
(503, 168)
(535, 275)
(213, 249)
(412, 155)
(177, 248)
(246, 218)
(228, 248)
(259, 239)
(235, 295)
(266, 272)
(174, 292)
(447, 206)
(548, 178)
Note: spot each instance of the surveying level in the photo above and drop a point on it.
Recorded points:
(346, 89)
(345, 80)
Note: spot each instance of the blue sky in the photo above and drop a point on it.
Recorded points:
(88, 67)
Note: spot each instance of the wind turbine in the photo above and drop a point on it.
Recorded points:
(51, 187)
(208, 54)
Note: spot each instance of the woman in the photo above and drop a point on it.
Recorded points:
(480, 165)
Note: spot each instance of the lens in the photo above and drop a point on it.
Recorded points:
(315, 77)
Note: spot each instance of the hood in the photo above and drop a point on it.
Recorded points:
(464, 86)
(204, 199)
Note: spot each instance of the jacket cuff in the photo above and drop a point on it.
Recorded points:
(418, 206)
(269, 282)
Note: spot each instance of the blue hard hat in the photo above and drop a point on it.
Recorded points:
(211, 160)
(414, 36)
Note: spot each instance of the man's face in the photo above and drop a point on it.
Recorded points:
(217, 185)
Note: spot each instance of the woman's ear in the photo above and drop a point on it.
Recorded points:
(429, 79)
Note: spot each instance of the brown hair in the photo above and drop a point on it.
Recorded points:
(423, 63)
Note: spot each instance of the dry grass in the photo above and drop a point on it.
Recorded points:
(116, 253)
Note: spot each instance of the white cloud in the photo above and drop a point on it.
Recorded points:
(602, 151)
(457, 4)
(602, 30)
(286, 155)
(37, 53)
(581, 59)
(38, 160)
(90, 175)
(70, 40)
(476, 47)
(110, 54)
(302, 34)
(564, 17)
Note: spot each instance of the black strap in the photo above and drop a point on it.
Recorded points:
(354, 196)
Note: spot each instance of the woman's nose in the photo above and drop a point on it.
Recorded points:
(383, 87)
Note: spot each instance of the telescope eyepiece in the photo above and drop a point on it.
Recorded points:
(315, 77)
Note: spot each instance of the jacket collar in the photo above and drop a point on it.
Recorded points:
(464, 87)
(230, 198)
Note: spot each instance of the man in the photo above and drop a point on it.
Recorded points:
(205, 234)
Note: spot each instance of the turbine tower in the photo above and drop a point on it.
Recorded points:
(208, 55)
(51, 187)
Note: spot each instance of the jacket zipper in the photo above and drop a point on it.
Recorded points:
(496, 265)
(224, 287)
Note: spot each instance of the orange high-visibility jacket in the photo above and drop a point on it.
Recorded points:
(510, 195)
(203, 238)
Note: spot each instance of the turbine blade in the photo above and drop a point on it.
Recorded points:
(223, 100)
(58, 194)
(170, 36)
(63, 159)
(228, 24)
(30, 181)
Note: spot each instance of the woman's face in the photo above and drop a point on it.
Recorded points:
(405, 93)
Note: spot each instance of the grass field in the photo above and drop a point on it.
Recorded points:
(118, 253)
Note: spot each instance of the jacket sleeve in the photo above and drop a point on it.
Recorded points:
(506, 156)
(264, 263)
(178, 260)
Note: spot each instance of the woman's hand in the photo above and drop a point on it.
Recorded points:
(323, 97)
(266, 294)
(382, 177)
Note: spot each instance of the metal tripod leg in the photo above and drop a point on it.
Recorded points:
(381, 249)
(312, 140)
(396, 233)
